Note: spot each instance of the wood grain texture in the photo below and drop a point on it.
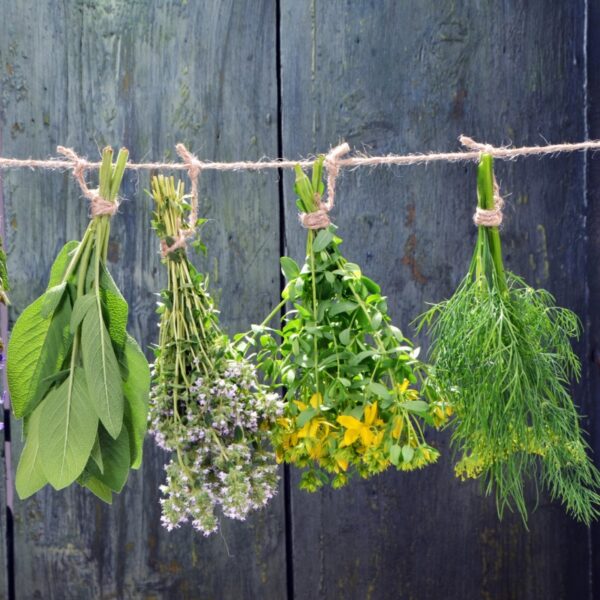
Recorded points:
(145, 75)
(407, 77)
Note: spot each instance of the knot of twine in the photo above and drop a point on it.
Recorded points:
(491, 217)
(319, 219)
(194, 167)
(99, 206)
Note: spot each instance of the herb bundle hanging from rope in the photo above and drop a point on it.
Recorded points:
(207, 406)
(76, 377)
(505, 349)
(349, 375)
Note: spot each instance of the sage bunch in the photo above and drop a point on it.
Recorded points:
(76, 378)
(504, 349)
(208, 408)
(356, 395)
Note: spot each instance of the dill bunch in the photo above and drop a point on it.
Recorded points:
(207, 406)
(357, 397)
(504, 350)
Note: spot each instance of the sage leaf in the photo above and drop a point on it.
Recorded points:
(102, 371)
(36, 350)
(30, 476)
(80, 309)
(136, 388)
(69, 430)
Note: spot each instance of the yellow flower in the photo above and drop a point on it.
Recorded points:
(398, 427)
(356, 429)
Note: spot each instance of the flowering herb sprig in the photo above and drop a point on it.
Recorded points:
(507, 350)
(349, 375)
(207, 407)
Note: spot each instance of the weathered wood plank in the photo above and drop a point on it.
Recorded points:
(145, 75)
(592, 407)
(404, 77)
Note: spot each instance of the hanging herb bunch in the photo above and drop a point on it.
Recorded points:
(350, 378)
(207, 407)
(507, 349)
(76, 377)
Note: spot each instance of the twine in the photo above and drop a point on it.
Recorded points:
(319, 219)
(98, 206)
(194, 167)
(490, 217)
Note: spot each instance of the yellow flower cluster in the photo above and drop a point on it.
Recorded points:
(366, 437)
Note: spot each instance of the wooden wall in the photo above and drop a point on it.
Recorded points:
(237, 79)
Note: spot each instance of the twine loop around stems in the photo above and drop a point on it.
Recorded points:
(194, 168)
(492, 217)
(99, 206)
(319, 219)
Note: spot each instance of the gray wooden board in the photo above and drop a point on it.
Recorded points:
(145, 75)
(405, 77)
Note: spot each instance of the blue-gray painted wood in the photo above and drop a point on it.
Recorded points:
(387, 76)
(407, 77)
(145, 75)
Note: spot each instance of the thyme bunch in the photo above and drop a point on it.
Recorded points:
(505, 349)
(207, 407)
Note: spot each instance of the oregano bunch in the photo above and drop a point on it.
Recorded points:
(207, 406)
(505, 349)
(76, 377)
(351, 379)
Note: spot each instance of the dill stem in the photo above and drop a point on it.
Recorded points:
(485, 198)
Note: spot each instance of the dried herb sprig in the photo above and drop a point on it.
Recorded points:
(349, 375)
(506, 350)
(76, 377)
(207, 406)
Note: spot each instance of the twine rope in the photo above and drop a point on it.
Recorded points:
(319, 219)
(472, 154)
(194, 168)
(98, 206)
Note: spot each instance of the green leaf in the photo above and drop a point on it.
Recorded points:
(289, 267)
(115, 306)
(102, 372)
(36, 350)
(61, 262)
(416, 406)
(407, 453)
(80, 308)
(96, 455)
(322, 240)
(378, 389)
(98, 488)
(395, 451)
(30, 475)
(52, 298)
(115, 457)
(305, 416)
(345, 336)
(345, 306)
(136, 388)
(69, 430)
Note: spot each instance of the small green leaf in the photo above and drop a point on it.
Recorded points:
(378, 389)
(289, 268)
(345, 306)
(345, 336)
(416, 406)
(322, 240)
(52, 298)
(305, 416)
(407, 453)
(395, 451)
(61, 262)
